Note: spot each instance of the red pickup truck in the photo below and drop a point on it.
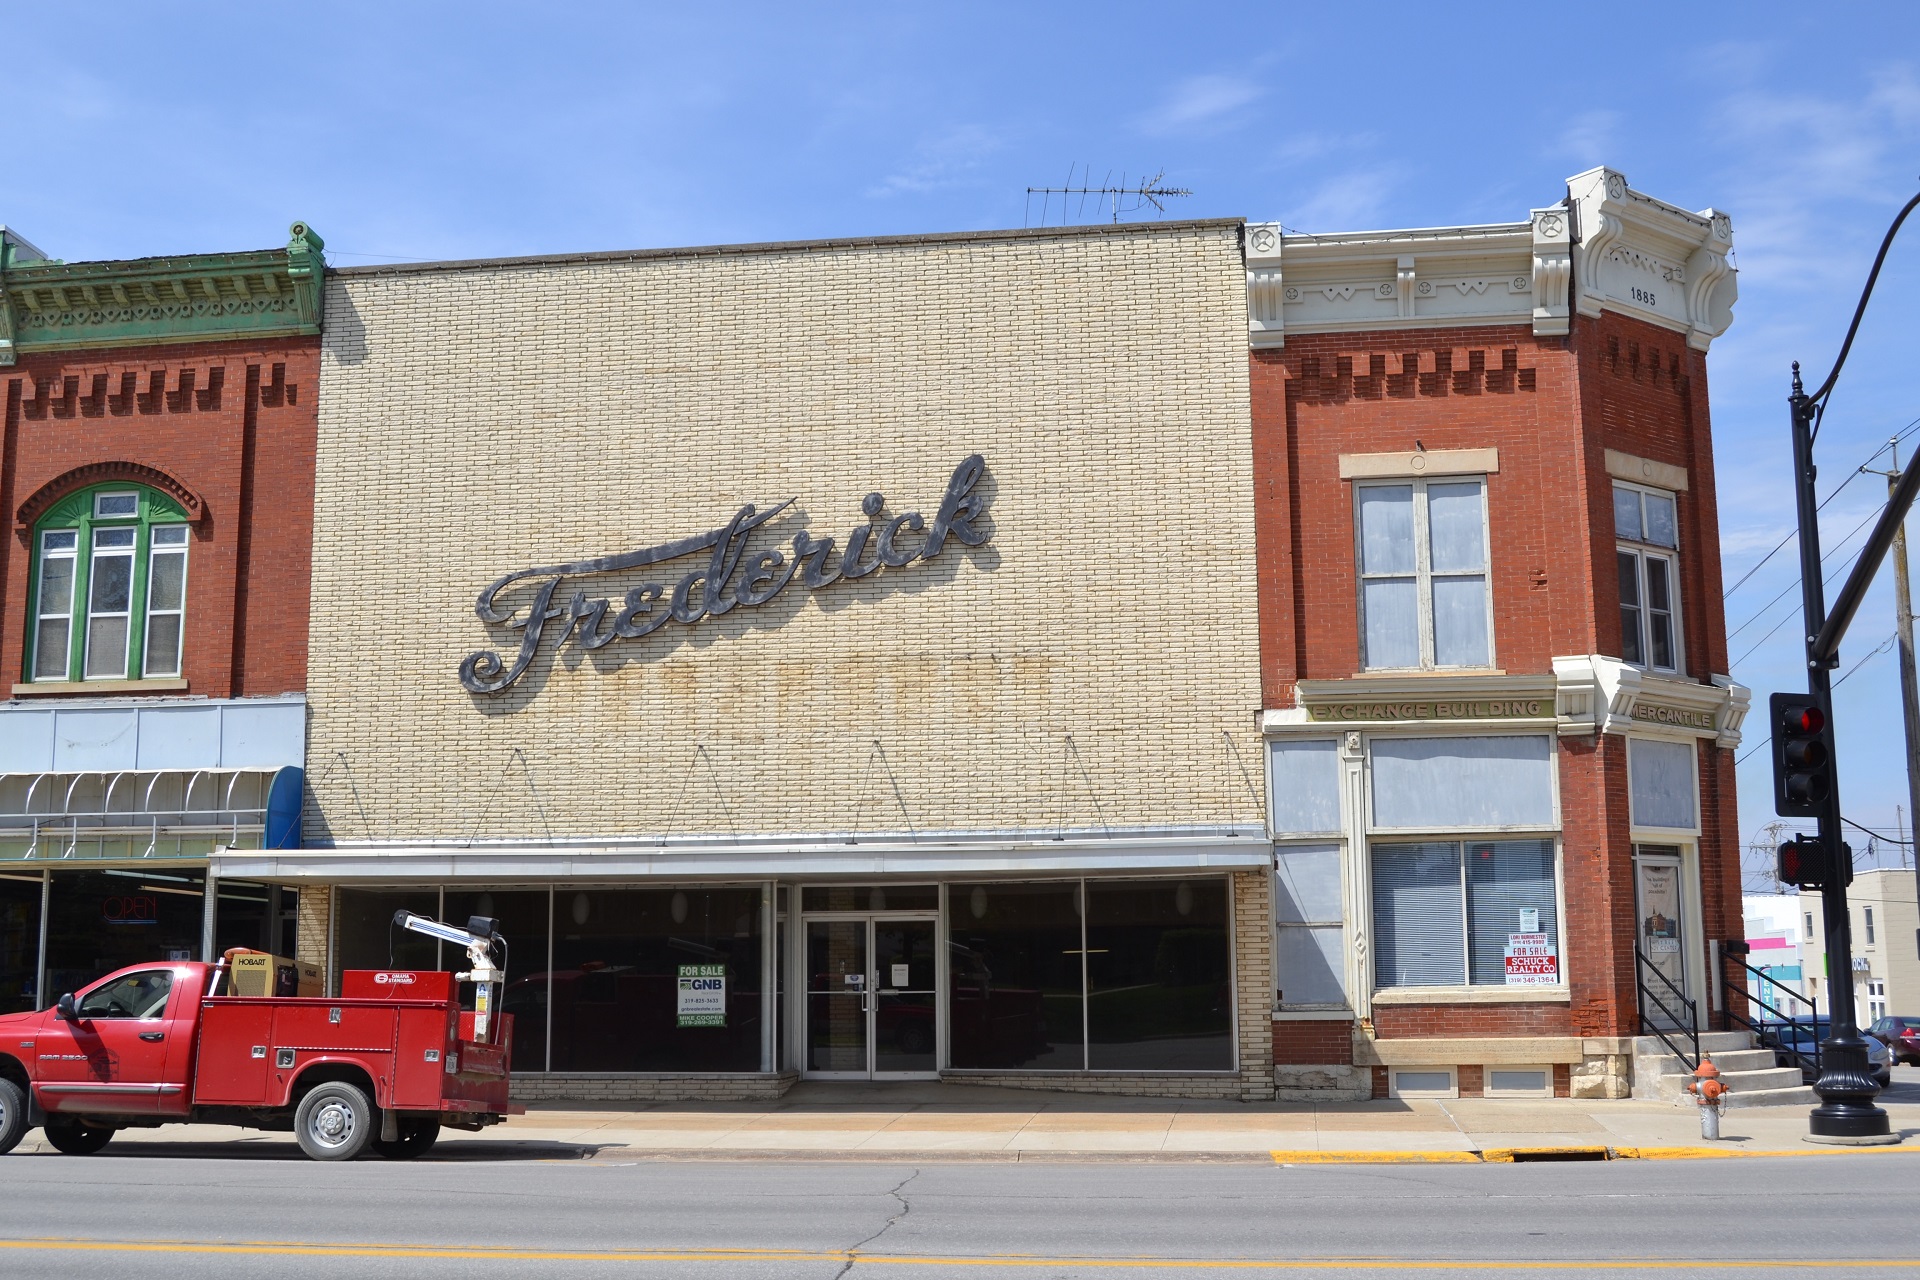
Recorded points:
(386, 1064)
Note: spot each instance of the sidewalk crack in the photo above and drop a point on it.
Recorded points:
(853, 1250)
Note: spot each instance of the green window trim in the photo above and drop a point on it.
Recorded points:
(76, 512)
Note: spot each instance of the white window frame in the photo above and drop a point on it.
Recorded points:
(99, 499)
(1488, 1090)
(1451, 1091)
(1876, 999)
(1337, 926)
(155, 549)
(131, 552)
(72, 556)
(1485, 835)
(1643, 551)
(1422, 569)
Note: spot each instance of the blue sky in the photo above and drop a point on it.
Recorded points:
(436, 131)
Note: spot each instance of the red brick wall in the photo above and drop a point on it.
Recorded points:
(1470, 1080)
(247, 450)
(1312, 1043)
(1552, 407)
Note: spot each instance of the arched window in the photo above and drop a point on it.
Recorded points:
(109, 586)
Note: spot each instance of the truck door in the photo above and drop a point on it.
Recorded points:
(113, 1057)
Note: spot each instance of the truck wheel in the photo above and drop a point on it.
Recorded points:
(13, 1116)
(334, 1122)
(416, 1139)
(74, 1139)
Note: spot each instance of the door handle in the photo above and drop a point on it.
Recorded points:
(153, 1035)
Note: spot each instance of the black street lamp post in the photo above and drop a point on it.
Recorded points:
(1846, 1113)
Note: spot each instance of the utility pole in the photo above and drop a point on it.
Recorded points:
(1903, 628)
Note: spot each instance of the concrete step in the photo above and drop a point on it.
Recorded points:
(1710, 1041)
(1673, 1086)
(1726, 1059)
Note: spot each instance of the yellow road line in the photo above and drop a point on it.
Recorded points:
(1728, 1153)
(488, 1253)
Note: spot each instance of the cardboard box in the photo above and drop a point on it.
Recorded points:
(255, 973)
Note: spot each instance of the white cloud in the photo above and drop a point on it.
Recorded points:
(1342, 203)
(1200, 102)
(1591, 138)
(951, 159)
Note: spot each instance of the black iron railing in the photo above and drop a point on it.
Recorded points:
(1791, 1028)
(1681, 1034)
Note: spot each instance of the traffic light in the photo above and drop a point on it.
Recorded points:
(1802, 756)
(1802, 861)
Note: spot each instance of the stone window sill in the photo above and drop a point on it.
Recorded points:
(1473, 995)
(70, 688)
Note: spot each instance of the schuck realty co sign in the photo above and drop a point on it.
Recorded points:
(727, 579)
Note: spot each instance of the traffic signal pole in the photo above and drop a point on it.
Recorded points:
(1846, 1113)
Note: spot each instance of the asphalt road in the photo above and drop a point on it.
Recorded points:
(272, 1213)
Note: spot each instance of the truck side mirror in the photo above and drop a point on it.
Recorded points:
(66, 1010)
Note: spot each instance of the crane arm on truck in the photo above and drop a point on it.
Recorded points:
(478, 938)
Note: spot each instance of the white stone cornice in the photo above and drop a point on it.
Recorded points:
(1643, 257)
(1606, 695)
(1606, 247)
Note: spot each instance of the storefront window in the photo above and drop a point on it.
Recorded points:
(249, 915)
(1014, 974)
(1304, 781)
(19, 942)
(1660, 779)
(365, 936)
(1444, 911)
(617, 956)
(1159, 976)
(1308, 965)
(100, 921)
(523, 915)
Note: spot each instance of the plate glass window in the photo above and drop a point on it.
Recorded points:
(1646, 525)
(1308, 955)
(1423, 574)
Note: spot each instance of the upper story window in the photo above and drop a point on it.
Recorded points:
(110, 586)
(1423, 574)
(1647, 527)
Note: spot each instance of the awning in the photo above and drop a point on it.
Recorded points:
(771, 858)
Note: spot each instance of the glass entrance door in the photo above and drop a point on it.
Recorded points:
(872, 998)
(904, 1007)
(1660, 933)
(839, 1004)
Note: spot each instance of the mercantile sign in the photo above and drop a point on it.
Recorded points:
(729, 578)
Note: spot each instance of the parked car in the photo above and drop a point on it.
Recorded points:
(1901, 1035)
(1797, 1044)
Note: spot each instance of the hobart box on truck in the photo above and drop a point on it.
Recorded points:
(385, 1064)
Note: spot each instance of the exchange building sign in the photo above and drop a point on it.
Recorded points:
(729, 578)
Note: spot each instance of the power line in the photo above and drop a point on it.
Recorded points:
(1836, 684)
(1903, 433)
(1762, 610)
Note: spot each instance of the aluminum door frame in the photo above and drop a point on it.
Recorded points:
(868, 918)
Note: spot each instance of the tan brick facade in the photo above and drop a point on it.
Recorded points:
(475, 421)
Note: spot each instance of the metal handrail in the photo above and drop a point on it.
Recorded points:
(1808, 1059)
(1688, 1025)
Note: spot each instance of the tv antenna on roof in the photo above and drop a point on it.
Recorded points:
(1120, 199)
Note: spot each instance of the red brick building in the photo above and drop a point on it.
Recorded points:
(156, 477)
(1493, 653)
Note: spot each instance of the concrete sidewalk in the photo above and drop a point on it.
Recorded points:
(971, 1122)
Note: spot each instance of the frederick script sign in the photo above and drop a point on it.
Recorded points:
(727, 579)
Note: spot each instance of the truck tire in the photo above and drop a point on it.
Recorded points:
(416, 1139)
(13, 1116)
(69, 1137)
(334, 1122)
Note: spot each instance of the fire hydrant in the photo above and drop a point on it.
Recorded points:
(1708, 1090)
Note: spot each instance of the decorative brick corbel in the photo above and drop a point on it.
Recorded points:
(41, 500)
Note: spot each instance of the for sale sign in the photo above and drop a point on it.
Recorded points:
(703, 995)
(1531, 960)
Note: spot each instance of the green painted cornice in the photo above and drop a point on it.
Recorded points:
(67, 306)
